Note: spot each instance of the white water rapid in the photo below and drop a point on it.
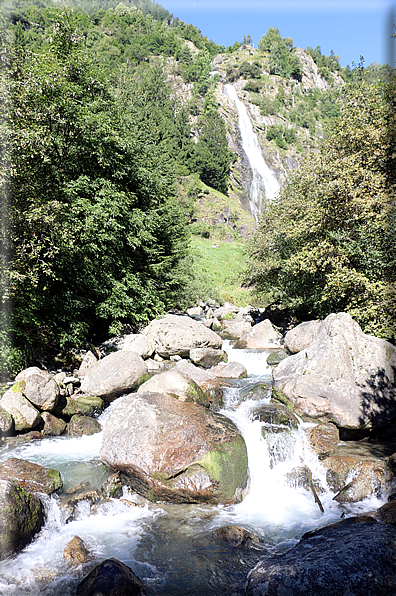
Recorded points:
(171, 547)
(263, 177)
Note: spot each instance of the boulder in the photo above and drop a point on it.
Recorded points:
(111, 578)
(263, 336)
(86, 405)
(234, 329)
(24, 414)
(112, 487)
(53, 426)
(175, 451)
(235, 536)
(82, 425)
(300, 337)
(178, 335)
(87, 360)
(31, 477)
(21, 517)
(195, 311)
(350, 557)
(39, 387)
(76, 551)
(386, 514)
(226, 309)
(369, 477)
(323, 439)
(132, 342)
(343, 376)
(6, 423)
(232, 370)
(117, 373)
(176, 384)
(338, 468)
(195, 373)
(275, 357)
(276, 414)
(207, 357)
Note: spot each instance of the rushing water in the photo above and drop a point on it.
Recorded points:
(171, 547)
(264, 180)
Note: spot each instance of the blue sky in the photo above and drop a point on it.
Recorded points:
(349, 27)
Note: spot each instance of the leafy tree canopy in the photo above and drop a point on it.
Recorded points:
(327, 243)
(96, 239)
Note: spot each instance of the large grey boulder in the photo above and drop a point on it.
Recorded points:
(347, 558)
(177, 335)
(175, 451)
(300, 337)
(176, 384)
(39, 387)
(234, 329)
(132, 342)
(24, 414)
(196, 373)
(263, 336)
(207, 357)
(114, 375)
(21, 516)
(343, 376)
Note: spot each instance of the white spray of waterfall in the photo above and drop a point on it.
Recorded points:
(263, 177)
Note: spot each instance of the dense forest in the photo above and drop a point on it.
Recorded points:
(107, 106)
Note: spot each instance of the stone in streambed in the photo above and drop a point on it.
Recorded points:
(300, 337)
(111, 578)
(176, 384)
(31, 477)
(25, 416)
(275, 357)
(53, 426)
(232, 370)
(207, 357)
(82, 425)
(21, 517)
(114, 375)
(6, 423)
(323, 439)
(276, 414)
(76, 551)
(175, 451)
(369, 477)
(355, 556)
(39, 387)
(343, 376)
(179, 334)
(264, 336)
(86, 405)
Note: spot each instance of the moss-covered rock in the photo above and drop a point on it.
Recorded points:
(21, 517)
(175, 451)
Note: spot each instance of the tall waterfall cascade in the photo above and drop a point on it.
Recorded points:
(264, 185)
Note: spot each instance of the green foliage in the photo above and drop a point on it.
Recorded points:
(326, 64)
(282, 136)
(282, 61)
(96, 240)
(212, 156)
(327, 243)
(248, 69)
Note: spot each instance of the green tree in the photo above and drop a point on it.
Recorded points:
(327, 243)
(96, 239)
(212, 156)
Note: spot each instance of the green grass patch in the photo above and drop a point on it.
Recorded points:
(218, 265)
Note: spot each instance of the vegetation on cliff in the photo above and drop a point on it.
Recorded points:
(327, 243)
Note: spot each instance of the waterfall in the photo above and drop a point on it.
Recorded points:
(263, 178)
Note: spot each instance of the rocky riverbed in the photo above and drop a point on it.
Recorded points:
(165, 406)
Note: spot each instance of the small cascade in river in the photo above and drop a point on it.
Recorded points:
(263, 177)
(170, 546)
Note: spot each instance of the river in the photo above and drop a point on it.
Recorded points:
(172, 547)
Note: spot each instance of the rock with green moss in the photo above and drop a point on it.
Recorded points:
(275, 357)
(30, 476)
(86, 405)
(276, 415)
(207, 357)
(6, 423)
(175, 451)
(21, 517)
(53, 426)
(25, 415)
(176, 384)
(82, 425)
